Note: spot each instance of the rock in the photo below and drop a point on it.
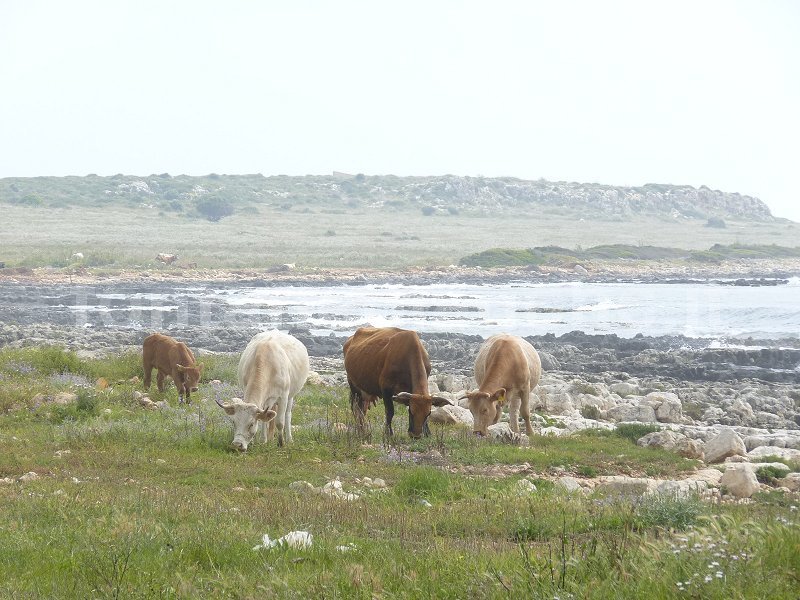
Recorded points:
(454, 383)
(668, 407)
(501, 432)
(674, 442)
(29, 476)
(6, 481)
(683, 488)
(549, 362)
(64, 398)
(314, 378)
(451, 415)
(739, 481)
(335, 490)
(791, 482)
(641, 413)
(624, 389)
(525, 487)
(742, 409)
(378, 483)
(297, 540)
(783, 453)
(302, 487)
(568, 484)
(726, 443)
(710, 476)
(621, 485)
(425, 503)
(580, 270)
(554, 401)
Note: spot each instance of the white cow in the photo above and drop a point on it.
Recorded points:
(273, 368)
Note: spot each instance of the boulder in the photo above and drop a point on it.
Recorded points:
(621, 485)
(791, 482)
(668, 408)
(641, 413)
(623, 389)
(740, 481)
(783, 453)
(674, 442)
(451, 415)
(683, 488)
(525, 487)
(501, 432)
(568, 484)
(710, 476)
(726, 443)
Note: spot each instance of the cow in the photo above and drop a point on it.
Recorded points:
(392, 364)
(174, 359)
(507, 368)
(167, 259)
(272, 370)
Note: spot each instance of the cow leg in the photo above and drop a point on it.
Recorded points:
(148, 373)
(160, 381)
(288, 425)
(513, 414)
(357, 405)
(388, 403)
(524, 397)
(280, 423)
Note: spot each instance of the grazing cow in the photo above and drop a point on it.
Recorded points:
(507, 368)
(174, 359)
(272, 370)
(390, 363)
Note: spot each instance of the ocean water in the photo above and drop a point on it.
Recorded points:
(690, 309)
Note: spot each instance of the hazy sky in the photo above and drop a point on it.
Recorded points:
(614, 92)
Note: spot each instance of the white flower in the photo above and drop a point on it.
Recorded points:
(718, 574)
(707, 578)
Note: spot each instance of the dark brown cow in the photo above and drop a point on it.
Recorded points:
(174, 359)
(390, 363)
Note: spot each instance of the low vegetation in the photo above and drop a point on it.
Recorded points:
(557, 256)
(140, 503)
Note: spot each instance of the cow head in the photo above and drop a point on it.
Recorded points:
(419, 407)
(485, 408)
(245, 418)
(190, 377)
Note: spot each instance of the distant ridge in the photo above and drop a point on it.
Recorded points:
(433, 194)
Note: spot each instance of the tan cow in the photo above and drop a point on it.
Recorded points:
(392, 364)
(507, 368)
(174, 359)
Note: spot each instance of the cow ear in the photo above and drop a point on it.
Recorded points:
(180, 368)
(499, 396)
(439, 401)
(266, 415)
(403, 398)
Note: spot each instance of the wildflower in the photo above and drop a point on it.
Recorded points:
(707, 578)
(718, 574)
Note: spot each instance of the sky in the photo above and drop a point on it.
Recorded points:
(621, 93)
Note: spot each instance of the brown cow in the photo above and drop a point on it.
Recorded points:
(506, 368)
(390, 363)
(171, 358)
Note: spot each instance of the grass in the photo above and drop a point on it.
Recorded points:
(153, 504)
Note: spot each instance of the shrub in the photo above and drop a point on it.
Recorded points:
(590, 412)
(634, 431)
(771, 474)
(715, 222)
(330, 232)
(671, 513)
(214, 209)
(428, 210)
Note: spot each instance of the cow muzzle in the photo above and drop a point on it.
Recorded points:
(239, 445)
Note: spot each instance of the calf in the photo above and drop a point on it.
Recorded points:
(174, 359)
(507, 368)
(272, 370)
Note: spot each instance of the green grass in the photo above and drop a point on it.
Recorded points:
(160, 507)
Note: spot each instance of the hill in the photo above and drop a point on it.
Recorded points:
(438, 194)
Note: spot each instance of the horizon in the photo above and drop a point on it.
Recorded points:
(620, 94)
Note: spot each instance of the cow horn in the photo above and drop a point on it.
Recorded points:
(220, 404)
(403, 395)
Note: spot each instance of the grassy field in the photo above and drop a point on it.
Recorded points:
(121, 236)
(135, 503)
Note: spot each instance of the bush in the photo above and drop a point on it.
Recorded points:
(590, 412)
(671, 513)
(771, 474)
(428, 210)
(634, 431)
(214, 209)
(715, 222)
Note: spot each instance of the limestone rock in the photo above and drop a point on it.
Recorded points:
(739, 481)
(568, 484)
(621, 485)
(451, 415)
(791, 481)
(669, 408)
(784, 453)
(726, 443)
(641, 413)
(624, 389)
